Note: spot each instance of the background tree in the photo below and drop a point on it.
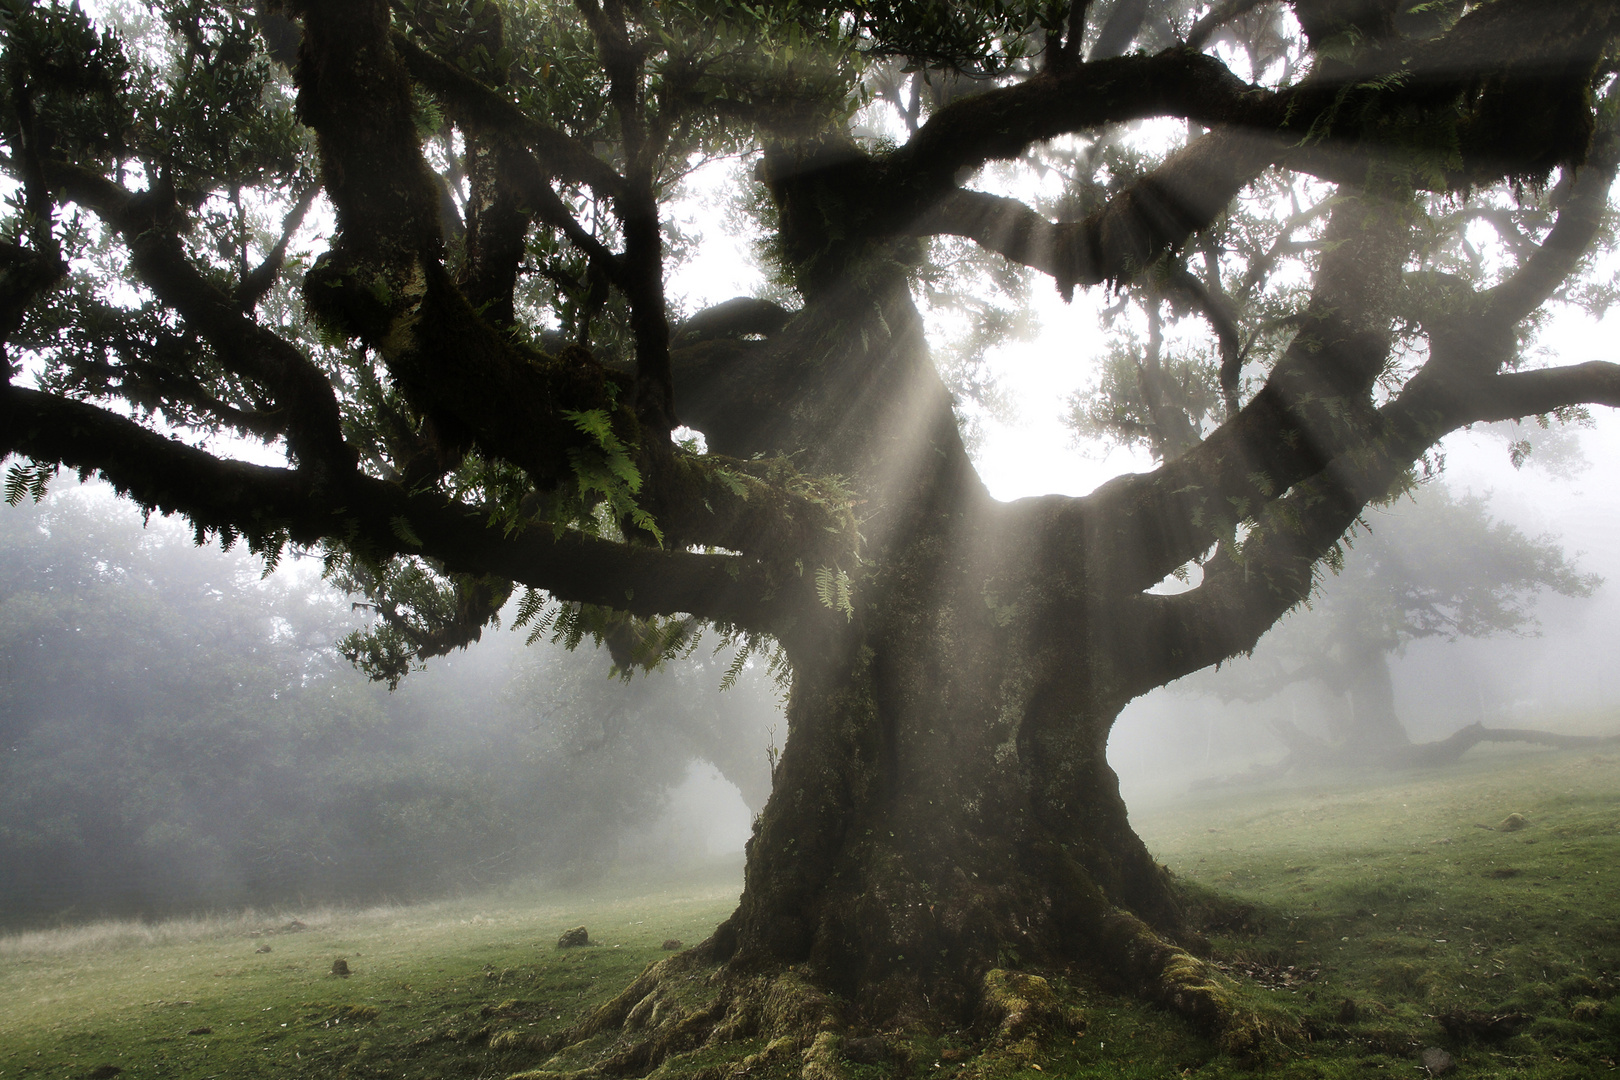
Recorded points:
(1429, 566)
(486, 390)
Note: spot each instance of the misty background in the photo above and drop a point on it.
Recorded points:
(178, 731)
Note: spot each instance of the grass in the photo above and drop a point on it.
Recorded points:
(1365, 907)
(1417, 897)
(195, 998)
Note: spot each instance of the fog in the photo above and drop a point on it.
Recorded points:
(180, 732)
(1554, 673)
(515, 762)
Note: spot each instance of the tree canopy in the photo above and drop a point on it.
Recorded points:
(476, 383)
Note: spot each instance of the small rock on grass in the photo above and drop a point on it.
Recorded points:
(671, 944)
(1437, 1062)
(340, 968)
(573, 939)
(262, 949)
(103, 1072)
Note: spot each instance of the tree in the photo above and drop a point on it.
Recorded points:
(483, 388)
(1434, 566)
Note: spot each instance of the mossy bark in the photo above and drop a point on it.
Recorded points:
(944, 808)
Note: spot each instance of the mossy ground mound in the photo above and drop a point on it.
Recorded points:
(1345, 919)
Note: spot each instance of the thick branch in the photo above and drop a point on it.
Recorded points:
(1547, 61)
(1579, 221)
(1313, 406)
(1242, 597)
(1002, 123)
(374, 517)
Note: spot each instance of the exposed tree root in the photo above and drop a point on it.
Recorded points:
(1447, 750)
(684, 1004)
(681, 1007)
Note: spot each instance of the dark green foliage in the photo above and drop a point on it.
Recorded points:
(65, 81)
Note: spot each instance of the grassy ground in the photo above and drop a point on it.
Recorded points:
(198, 999)
(1367, 907)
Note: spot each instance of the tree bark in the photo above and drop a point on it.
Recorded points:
(943, 808)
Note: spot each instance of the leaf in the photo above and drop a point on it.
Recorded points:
(401, 526)
(30, 481)
(834, 591)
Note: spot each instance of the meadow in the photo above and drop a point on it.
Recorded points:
(1361, 919)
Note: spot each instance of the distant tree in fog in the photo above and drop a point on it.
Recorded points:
(1432, 565)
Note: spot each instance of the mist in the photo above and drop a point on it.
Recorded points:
(181, 734)
(514, 761)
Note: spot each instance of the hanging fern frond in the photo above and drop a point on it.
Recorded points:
(29, 481)
(834, 590)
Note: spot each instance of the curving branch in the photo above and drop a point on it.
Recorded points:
(1242, 596)
(1001, 124)
(741, 316)
(258, 282)
(307, 408)
(1315, 402)
(1117, 241)
(1216, 308)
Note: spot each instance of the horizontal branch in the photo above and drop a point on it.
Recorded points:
(1311, 127)
(1114, 243)
(373, 517)
(1001, 124)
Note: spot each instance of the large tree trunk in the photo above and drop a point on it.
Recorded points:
(943, 825)
(943, 810)
(943, 807)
